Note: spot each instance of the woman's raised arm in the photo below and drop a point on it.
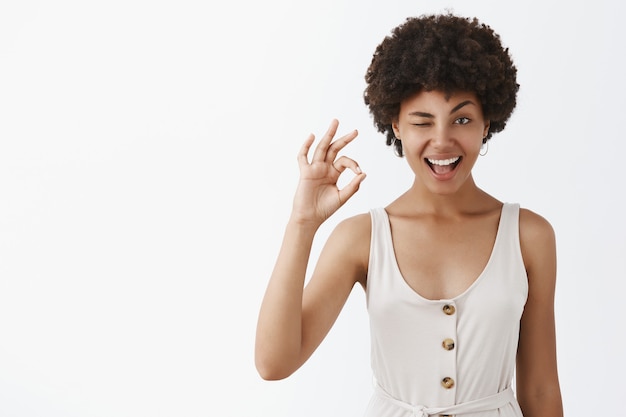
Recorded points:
(284, 339)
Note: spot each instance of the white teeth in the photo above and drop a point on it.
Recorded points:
(443, 162)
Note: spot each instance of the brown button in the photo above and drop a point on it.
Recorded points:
(447, 382)
(449, 309)
(448, 344)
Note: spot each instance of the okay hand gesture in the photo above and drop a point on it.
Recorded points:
(318, 195)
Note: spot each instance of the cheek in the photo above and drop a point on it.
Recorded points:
(412, 152)
(473, 142)
(413, 158)
(414, 141)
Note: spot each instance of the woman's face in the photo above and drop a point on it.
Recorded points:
(441, 137)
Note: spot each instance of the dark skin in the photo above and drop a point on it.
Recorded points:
(443, 212)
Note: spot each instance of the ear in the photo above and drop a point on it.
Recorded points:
(486, 129)
(396, 130)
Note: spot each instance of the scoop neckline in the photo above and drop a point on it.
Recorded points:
(474, 283)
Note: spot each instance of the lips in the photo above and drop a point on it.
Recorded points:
(443, 166)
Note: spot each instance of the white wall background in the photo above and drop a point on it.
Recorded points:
(147, 164)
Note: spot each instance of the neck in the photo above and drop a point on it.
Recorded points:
(468, 199)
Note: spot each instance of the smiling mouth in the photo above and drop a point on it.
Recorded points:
(443, 166)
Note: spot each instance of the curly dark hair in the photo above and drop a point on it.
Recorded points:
(440, 52)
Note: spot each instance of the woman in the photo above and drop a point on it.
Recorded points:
(460, 286)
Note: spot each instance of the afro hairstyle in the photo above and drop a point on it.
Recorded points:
(440, 52)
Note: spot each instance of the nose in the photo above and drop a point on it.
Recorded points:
(441, 137)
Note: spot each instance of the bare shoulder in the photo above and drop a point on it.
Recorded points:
(537, 240)
(351, 240)
(354, 233)
(534, 228)
(355, 227)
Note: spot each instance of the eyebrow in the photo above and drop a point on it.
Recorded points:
(455, 109)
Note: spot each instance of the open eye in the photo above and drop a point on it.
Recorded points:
(462, 121)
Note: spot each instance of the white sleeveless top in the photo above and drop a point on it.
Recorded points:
(446, 357)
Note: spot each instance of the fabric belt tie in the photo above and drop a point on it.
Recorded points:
(492, 402)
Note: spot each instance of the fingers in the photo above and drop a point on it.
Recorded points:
(353, 186)
(303, 154)
(344, 162)
(328, 170)
(327, 150)
(322, 147)
(339, 144)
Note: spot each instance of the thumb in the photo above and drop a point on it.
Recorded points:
(351, 188)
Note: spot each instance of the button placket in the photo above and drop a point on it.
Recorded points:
(448, 345)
